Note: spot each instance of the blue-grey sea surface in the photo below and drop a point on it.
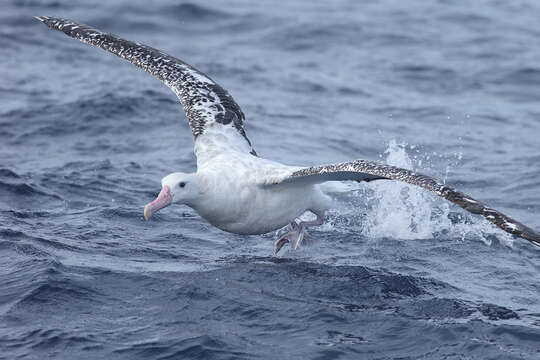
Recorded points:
(447, 88)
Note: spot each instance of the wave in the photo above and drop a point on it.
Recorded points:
(522, 77)
(306, 36)
(197, 347)
(7, 173)
(105, 112)
(47, 4)
(19, 192)
(194, 12)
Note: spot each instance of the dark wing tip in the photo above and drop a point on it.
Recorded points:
(65, 25)
(43, 19)
(531, 235)
(50, 22)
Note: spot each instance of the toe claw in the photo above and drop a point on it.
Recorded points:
(279, 244)
(299, 239)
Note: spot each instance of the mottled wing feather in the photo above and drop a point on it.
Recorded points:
(362, 170)
(205, 102)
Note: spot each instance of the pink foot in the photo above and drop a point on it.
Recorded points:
(297, 233)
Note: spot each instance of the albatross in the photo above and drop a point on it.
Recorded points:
(233, 188)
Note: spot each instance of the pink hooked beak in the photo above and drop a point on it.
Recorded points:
(164, 199)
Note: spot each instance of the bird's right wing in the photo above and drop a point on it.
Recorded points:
(209, 108)
(363, 170)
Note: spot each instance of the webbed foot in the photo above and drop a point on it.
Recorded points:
(297, 233)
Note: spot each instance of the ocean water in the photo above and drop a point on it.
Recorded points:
(448, 88)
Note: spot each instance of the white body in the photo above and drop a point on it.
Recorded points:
(233, 196)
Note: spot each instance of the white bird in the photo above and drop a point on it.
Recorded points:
(236, 190)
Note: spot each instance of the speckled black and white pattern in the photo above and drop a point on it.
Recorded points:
(363, 170)
(205, 102)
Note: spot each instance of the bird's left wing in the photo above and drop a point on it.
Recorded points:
(363, 170)
(209, 108)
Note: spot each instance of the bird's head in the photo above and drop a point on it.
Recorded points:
(179, 188)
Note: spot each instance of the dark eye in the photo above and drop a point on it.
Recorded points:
(182, 184)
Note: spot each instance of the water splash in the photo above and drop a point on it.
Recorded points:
(402, 211)
(399, 210)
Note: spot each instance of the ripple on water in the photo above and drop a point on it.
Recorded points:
(396, 273)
